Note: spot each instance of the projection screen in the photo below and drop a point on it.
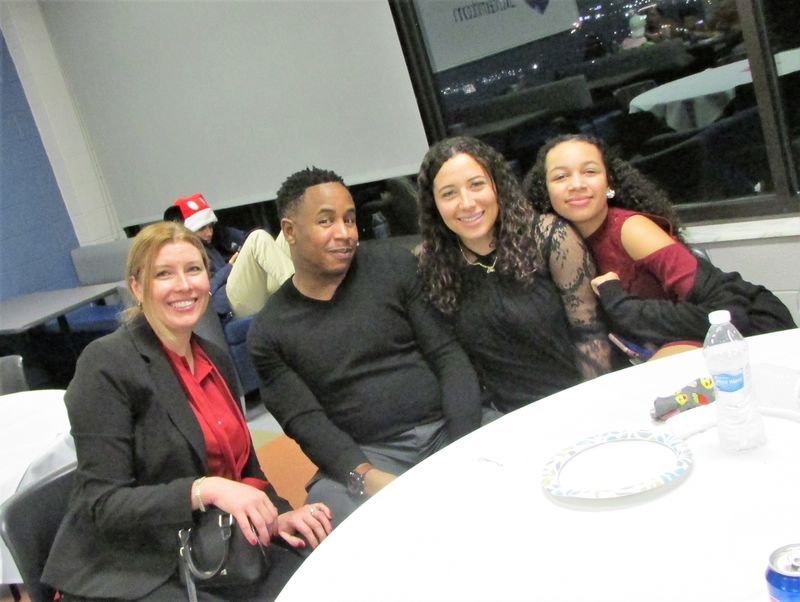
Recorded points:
(228, 98)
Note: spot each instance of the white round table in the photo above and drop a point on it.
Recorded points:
(34, 440)
(699, 99)
(473, 522)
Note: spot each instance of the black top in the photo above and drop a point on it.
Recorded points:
(374, 361)
(527, 342)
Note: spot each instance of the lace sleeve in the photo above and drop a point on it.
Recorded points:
(572, 269)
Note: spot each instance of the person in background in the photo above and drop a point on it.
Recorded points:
(354, 364)
(222, 243)
(658, 27)
(515, 283)
(245, 271)
(159, 436)
(636, 39)
(654, 290)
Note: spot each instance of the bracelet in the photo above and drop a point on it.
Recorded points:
(196, 489)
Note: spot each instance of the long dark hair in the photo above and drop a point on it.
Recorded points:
(632, 189)
(518, 253)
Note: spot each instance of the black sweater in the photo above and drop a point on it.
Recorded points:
(374, 361)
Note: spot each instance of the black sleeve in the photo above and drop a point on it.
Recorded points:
(754, 309)
(656, 321)
(297, 409)
(461, 400)
(572, 270)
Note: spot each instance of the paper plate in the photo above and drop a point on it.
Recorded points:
(617, 464)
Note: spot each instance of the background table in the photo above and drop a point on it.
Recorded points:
(22, 313)
(699, 99)
(34, 440)
(474, 523)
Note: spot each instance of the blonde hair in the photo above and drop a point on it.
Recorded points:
(141, 257)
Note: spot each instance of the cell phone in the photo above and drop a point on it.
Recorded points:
(635, 352)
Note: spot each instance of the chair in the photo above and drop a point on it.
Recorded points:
(12, 375)
(625, 94)
(98, 264)
(29, 521)
(688, 158)
(210, 328)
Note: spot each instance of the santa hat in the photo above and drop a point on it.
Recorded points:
(196, 212)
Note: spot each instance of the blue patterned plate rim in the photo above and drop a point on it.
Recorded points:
(683, 462)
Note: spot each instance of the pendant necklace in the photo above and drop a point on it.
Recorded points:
(489, 268)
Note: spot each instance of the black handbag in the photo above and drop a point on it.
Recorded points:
(215, 552)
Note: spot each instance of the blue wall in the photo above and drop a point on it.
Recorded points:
(36, 234)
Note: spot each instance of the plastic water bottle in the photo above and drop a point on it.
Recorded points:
(739, 424)
(380, 226)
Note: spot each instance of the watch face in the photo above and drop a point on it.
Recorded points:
(355, 483)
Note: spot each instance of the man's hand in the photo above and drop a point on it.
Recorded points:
(375, 480)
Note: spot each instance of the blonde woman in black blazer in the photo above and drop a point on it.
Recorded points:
(145, 460)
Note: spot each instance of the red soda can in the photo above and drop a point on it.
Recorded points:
(783, 574)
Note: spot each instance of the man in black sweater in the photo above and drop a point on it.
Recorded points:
(354, 363)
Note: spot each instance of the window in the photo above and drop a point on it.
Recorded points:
(698, 94)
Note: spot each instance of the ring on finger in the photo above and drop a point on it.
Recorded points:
(312, 510)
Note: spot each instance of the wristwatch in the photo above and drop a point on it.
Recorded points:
(355, 479)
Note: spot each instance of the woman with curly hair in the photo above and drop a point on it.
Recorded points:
(515, 283)
(654, 290)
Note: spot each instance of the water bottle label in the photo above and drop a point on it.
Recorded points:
(729, 383)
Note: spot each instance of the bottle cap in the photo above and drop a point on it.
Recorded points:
(721, 316)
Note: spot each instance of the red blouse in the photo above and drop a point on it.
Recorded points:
(664, 274)
(227, 438)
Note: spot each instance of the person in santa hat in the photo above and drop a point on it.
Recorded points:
(245, 270)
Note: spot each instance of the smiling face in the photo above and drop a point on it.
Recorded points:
(178, 289)
(322, 233)
(577, 184)
(466, 199)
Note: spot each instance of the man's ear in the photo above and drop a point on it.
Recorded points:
(287, 227)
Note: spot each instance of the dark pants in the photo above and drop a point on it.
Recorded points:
(395, 455)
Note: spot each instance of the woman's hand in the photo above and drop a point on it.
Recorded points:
(596, 282)
(312, 522)
(248, 505)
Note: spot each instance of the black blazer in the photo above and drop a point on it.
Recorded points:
(139, 450)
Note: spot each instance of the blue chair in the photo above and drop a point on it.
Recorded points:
(235, 331)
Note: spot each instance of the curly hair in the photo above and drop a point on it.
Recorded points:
(518, 251)
(293, 187)
(633, 190)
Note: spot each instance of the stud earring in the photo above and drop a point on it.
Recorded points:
(610, 193)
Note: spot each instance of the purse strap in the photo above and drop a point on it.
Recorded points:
(190, 569)
(225, 522)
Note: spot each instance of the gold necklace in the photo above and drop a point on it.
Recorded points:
(489, 268)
